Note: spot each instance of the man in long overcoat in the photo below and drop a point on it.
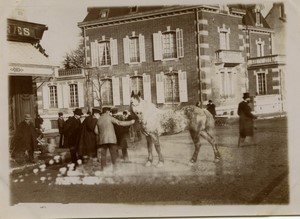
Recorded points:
(246, 124)
(88, 143)
(24, 141)
(72, 130)
(106, 136)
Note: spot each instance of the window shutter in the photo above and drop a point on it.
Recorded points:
(80, 94)
(157, 44)
(126, 90)
(147, 87)
(114, 51)
(142, 48)
(94, 54)
(126, 43)
(160, 88)
(183, 96)
(59, 96)
(66, 95)
(96, 92)
(116, 90)
(179, 43)
(46, 96)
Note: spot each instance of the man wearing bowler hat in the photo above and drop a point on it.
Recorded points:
(246, 125)
(72, 129)
(87, 146)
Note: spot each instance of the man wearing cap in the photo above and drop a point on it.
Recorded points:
(72, 129)
(246, 125)
(24, 141)
(87, 146)
(107, 137)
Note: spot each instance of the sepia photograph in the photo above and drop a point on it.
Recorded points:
(149, 109)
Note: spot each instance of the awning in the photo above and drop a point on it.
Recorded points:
(26, 60)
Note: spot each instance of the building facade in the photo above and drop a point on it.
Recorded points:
(173, 56)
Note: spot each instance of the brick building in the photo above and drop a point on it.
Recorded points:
(173, 55)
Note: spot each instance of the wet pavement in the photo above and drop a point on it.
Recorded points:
(245, 175)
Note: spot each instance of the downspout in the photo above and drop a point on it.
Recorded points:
(199, 60)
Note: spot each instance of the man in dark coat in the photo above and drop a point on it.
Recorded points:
(87, 146)
(211, 108)
(24, 141)
(246, 125)
(72, 130)
(60, 124)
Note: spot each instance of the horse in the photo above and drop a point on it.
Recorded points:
(155, 122)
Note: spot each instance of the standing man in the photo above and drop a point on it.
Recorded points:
(246, 125)
(87, 146)
(60, 124)
(211, 108)
(107, 137)
(24, 141)
(72, 130)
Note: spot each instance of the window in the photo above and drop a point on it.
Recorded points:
(171, 88)
(226, 90)
(133, 9)
(168, 44)
(137, 85)
(54, 124)
(257, 17)
(224, 41)
(260, 47)
(134, 49)
(74, 95)
(106, 92)
(104, 52)
(261, 83)
(53, 96)
(103, 13)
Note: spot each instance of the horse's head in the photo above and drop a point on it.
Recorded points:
(137, 105)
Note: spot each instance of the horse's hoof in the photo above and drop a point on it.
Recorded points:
(217, 159)
(160, 164)
(148, 164)
(192, 163)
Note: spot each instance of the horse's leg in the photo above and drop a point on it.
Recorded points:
(196, 140)
(149, 147)
(155, 138)
(206, 135)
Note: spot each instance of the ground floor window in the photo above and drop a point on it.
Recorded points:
(226, 89)
(171, 88)
(261, 84)
(106, 92)
(74, 95)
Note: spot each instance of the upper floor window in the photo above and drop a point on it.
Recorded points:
(53, 96)
(168, 44)
(261, 83)
(103, 13)
(260, 47)
(74, 95)
(134, 48)
(104, 52)
(224, 37)
(226, 89)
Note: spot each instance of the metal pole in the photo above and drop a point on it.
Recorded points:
(199, 60)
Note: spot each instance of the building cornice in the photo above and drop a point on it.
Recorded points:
(258, 29)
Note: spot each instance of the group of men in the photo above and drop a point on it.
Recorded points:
(99, 132)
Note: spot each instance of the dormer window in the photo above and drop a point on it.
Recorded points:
(103, 13)
(257, 16)
(133, 9)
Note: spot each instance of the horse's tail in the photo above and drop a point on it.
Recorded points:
(210, 121)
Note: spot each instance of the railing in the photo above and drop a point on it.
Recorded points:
(232, 57)
(266, 60)
(70, 72)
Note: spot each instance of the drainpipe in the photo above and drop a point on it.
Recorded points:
(199, 60)
(84, 46)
